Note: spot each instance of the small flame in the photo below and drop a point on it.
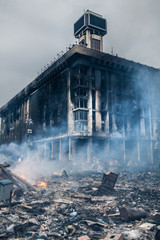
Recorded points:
(42, 184)
(12, 194)
(22, 176)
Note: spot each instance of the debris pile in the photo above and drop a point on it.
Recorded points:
(72, 207)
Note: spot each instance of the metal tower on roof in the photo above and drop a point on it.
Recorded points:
(89, 29)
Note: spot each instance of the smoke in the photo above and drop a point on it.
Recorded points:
(27, 161)
(132, 144)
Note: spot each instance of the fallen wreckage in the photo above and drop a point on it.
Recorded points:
(82, 206)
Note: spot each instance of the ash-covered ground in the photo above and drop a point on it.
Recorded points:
(71, 207)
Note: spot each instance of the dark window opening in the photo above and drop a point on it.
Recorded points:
(103, 105)
(93, 103)
(81, 92)
(93, 99)
(103, 80)
(103, 94)
(103, 127)
(103, 116)
(110, 102)
(93, 78)
(93, 116)
(83, 82)
(93, 127)
(81, 103)
(110, 122)
(119, 122)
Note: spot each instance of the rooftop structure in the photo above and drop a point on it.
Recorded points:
(90, 29)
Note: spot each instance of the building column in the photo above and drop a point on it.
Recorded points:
(124, 150)
(90, 103)
(124, 136)
(70, 148)
(88, 39)
(114, 126)
(60, 150)
(89, 150)
(98, 100)
(107, 105)
(150, 136)
(52, 151)
(142, 123)
(70, 106)
(138, 148)
(107, 123)
(107, 150)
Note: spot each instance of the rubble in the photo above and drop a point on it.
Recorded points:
(147, 226)
(129, 214)
(157, 237)
(114, 237)
(72, 208)
(85, 237)
(108, 182)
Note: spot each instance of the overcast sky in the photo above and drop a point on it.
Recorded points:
(32, 32)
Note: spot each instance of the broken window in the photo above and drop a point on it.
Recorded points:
(80, 126)
(81, 77)
(76, 115)
(80, 120)
(81, 92)
(80, 115)
(81, 103)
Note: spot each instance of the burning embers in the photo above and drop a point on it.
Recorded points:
(42, 184)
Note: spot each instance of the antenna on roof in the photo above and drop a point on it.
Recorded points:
(112, 50)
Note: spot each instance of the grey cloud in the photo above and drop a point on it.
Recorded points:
(34, 31)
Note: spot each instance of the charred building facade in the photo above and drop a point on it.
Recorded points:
(89, 106)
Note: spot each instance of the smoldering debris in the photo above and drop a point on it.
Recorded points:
(23, 161)
(108, 182)
(129, 214)
(58, 210)
(18, 181)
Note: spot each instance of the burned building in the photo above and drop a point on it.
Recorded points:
(89, 106)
